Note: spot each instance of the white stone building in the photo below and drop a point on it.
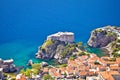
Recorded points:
(62, 36)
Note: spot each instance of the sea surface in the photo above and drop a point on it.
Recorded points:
(25, 24)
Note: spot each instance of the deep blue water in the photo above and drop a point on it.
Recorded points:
(24, 24)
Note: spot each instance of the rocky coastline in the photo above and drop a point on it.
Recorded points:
(62, 47)
(105, 38)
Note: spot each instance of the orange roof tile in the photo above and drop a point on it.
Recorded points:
(23, 77)
(84, 57)
(56, 74)
(91, 73)
(107, 75)
(93, 55)
(45, 69)
(83, 73)
(118, 60)
(114, 67)
(52, 70)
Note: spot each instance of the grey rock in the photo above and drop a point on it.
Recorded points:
(30, 62)
(7, 65)
(63, 61)
(50, 51)
(99, 39)
(1, 74)
(44, 64)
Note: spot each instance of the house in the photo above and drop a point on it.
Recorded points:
(57, 75)
(69, 71)
(115, 68)
(101, 68)
(91, 73)
(118, 61)
(92, 78)
(93, 55)
(45, 70)
(109, 75)
(83, 74)
(53, 70)
(62, 72)
(20, 77)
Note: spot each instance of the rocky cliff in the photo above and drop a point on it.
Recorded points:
(7, 66)
(49, 49)
(59, 50)
(108, 38)
(101, 37)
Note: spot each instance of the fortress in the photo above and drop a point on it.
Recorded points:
(62, 36)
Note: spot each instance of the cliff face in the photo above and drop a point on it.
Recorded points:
(7, 66)
(59, 50)
(49, 49)
(101, 38)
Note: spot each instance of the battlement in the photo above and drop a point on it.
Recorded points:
(62, 36)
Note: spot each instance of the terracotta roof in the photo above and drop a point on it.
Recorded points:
(62, 70)
(93, 59)
(107, 75)
(52, 69)
(118, 60)
(45, 70)
(23, 77)
(114, 67)
(84, 57)
(20, 77)
(101, 66)
(91, 73)
(93, 55)
(56, 74)
(83, 73)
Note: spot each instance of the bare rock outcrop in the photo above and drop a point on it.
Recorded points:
(101, 37)
(7, 65)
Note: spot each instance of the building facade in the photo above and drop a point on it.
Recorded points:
(62, 36)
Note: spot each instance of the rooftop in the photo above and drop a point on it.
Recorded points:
(61, 33)
(108, 75)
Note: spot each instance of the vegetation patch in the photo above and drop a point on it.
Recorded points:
(47, 43)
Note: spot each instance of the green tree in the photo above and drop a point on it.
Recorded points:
(22, 71)
(28, 73)
(72, 57)
(82, 53)
(79, 44)
(36, 68)
(48, 77)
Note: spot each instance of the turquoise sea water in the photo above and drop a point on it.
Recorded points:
(21, 51)
(97, 51)
(24, 24)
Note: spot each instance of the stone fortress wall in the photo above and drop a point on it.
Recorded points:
(62, 36)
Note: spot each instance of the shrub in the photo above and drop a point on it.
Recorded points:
(48, 77)
(72, 58)
(118, 40)
(28, 73)
(82, 53)
(68, 49)
(36, 66)
(47, 43)
(79, 44)
(96, 63)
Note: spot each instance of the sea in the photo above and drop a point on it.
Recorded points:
(25, 24)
